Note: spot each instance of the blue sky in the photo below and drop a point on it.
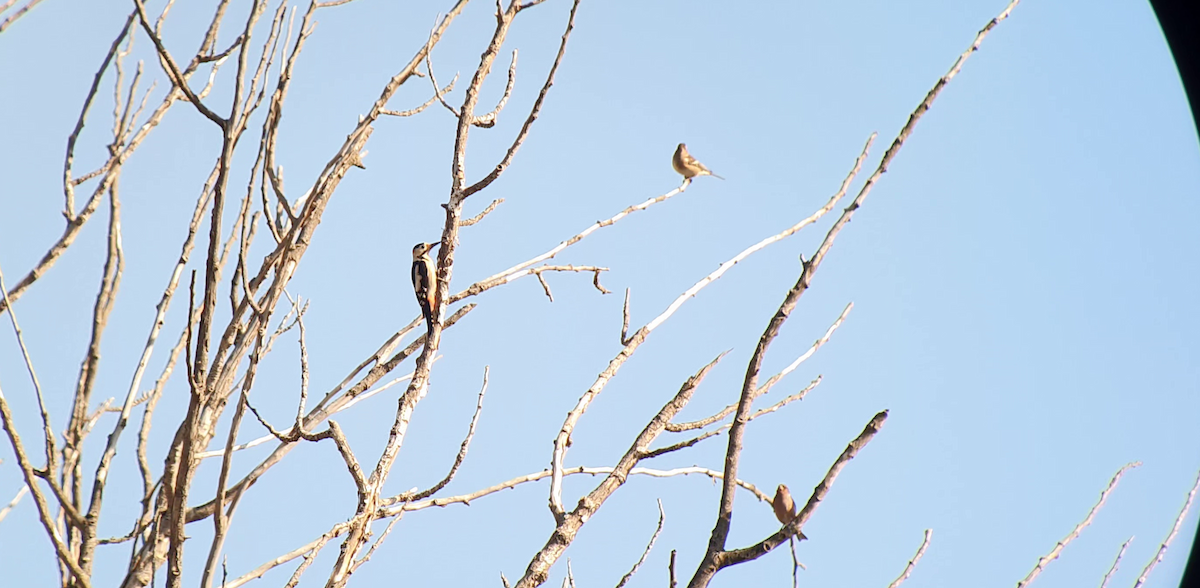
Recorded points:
(1023, 279)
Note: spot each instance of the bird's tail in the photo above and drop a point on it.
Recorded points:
(428, 312)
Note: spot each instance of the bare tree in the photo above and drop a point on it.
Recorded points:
(223, 346)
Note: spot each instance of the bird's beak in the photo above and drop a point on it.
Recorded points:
(434, 244)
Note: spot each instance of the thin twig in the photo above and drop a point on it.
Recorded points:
(13, 503)
(471, 221)
(489, 120)
(422, 107)
(1054, 553)
(1115, 563)
(386, 531)
(37, 387)
(763, 411)
(545, 286)
(518, 270)
(172, 69)
(766, 387)
(389, 508)
(1162, 549)
(913, 562)
(699, 424)
(462, 450)
(661, 517)
(39, 499)
(18, 14)
(625, 327)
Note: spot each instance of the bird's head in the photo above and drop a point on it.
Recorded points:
(420, 249)
(682, 148)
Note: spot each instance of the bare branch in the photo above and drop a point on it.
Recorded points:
(596, 281)
(545, 286)
(661, 516)
(386, 531)
(688, 426)
(766, 387)
(37, 388)
(76, 221)
(533, 113)
(309, 549)
(458, 459)
(625, 327)
(913, 562)
(1115, 563)
(278, 435)
(770, 409)
(1162, 548)
(221, 519)
(68, 184)
(438, 92)
(470, 221)
(419, 109)
(796, 565)
(489, 120)
(16, 15)
(568, 524)
(80, 424)
(389, 510)
(714, 558)
(1054, 553)
(343, 447)
(308, 559)
(560, 441)
(172, 69)
(324, 410)
(61, 550)
(13, 503)
(518, 270)
(724, 559)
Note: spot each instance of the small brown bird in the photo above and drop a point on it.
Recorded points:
(687, 166)
(423, 276)
(785, 508)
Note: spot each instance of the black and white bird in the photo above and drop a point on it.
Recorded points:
(687, 166)
(424, 281)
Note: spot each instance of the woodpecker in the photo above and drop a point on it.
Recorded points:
(424, 281)
(687, 166)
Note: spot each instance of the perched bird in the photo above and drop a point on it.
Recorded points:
(687, 166)
(423, 277)
(785, 509)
